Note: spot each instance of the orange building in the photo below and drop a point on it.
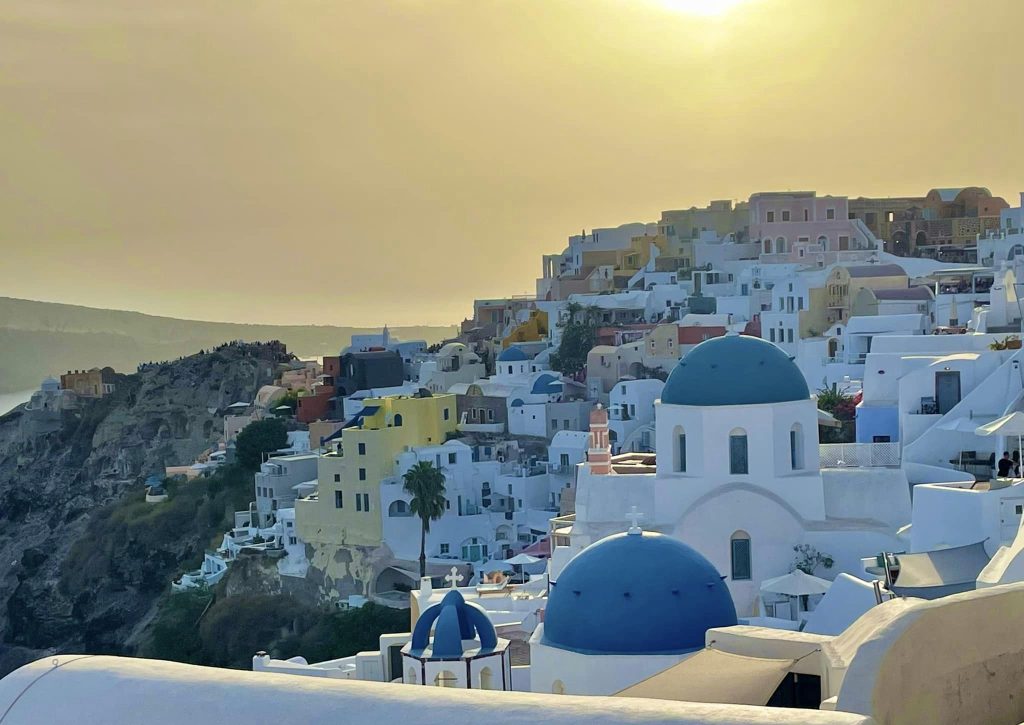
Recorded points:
(93, 383)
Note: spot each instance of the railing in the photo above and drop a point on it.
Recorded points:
(859, 455)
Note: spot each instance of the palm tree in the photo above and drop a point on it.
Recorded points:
(426, 486)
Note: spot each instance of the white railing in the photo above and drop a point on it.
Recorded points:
(859, 455)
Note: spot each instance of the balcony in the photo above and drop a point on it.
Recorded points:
(859, 455)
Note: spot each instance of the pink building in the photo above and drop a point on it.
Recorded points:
(799, 226)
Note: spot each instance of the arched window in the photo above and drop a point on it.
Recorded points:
(780, 245)
(410, 678)
(557, 688)
(738, 464)
(446, 678)
(767, 246)
(739, 550)
(399, 508)
(398, 420)
(796, 446)
(486, 679)
(680, 466)
(823, 241)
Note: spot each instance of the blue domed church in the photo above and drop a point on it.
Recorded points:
(736, 480)
(625, 608)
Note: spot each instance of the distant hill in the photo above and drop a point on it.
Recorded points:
(46, 338)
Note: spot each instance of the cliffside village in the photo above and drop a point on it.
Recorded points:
(775, 472)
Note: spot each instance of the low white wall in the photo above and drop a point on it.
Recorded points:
(953, 660)
(98, 690)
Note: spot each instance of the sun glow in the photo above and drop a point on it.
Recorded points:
(706, 8)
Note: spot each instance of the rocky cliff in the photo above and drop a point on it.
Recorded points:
(56, 594)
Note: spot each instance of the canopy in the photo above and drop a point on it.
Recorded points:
(1008, 425)
(715, 676)
(796, 583)
(933, 574)
(964, 424)
(239, 404)
(827, 419)
(488, 566)
(522, 560)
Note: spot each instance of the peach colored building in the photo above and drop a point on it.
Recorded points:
(794, 226)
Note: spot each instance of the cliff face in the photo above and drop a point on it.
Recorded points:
(53, 484)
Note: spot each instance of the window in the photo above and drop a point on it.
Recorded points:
(451, 458)
(490, 415)
(362, 449)
(337, 500)
(785, 215)
(362, 474)
(807, 215)
(292, 541)
(509, 369)
(681, 447)
(738, 452)
(566, 426)
(739, 544)
(444, 548)
(554, 424)
(771, 334)
(796, 453)
(398, 420)
(563, 459)
(771, 217)
(830, 213)
(398, 508)
(447, 413)
(366, 502)
(789, 335)
(359, 502)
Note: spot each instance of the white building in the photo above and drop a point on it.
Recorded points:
(737, 475)
(631, 414)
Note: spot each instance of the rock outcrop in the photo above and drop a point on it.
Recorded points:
(52, 484)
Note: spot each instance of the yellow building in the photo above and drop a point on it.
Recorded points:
(533, 330)
(346, 512)
(844, 283)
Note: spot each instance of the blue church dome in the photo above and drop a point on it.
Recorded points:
(636, 593)
(512, 354)
(457, 620)
(735, 370)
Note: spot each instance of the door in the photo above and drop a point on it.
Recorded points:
(947, 390)
(1010, 513)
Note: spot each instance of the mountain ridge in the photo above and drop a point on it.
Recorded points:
(46, 338)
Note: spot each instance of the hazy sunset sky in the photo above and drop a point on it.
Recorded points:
(361, 162)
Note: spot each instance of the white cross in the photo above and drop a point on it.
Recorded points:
(454, 578)
(634, 517)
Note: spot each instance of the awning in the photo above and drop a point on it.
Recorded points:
(827, 419)
(933, 574)
(715, 676)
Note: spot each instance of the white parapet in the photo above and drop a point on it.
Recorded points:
(95, 690)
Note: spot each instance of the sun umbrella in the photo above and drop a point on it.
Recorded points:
(963, 424)
(522, 560)
(827, 419)
(796, 584)
(1008, 425)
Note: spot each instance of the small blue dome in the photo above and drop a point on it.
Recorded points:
(636, 594)
(546, 385)
(512, 354)
(735, 370)
(457, 621)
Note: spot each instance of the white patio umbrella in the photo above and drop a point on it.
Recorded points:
(1009, 425)
(521, 560)
(964, 424)
(493, 565)
(827, 419)
(796, 584)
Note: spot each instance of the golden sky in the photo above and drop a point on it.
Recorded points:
(363, 161)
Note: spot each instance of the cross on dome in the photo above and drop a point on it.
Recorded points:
(454, 577)
(633, 517)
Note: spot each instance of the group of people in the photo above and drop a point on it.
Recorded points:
(1008, 465)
